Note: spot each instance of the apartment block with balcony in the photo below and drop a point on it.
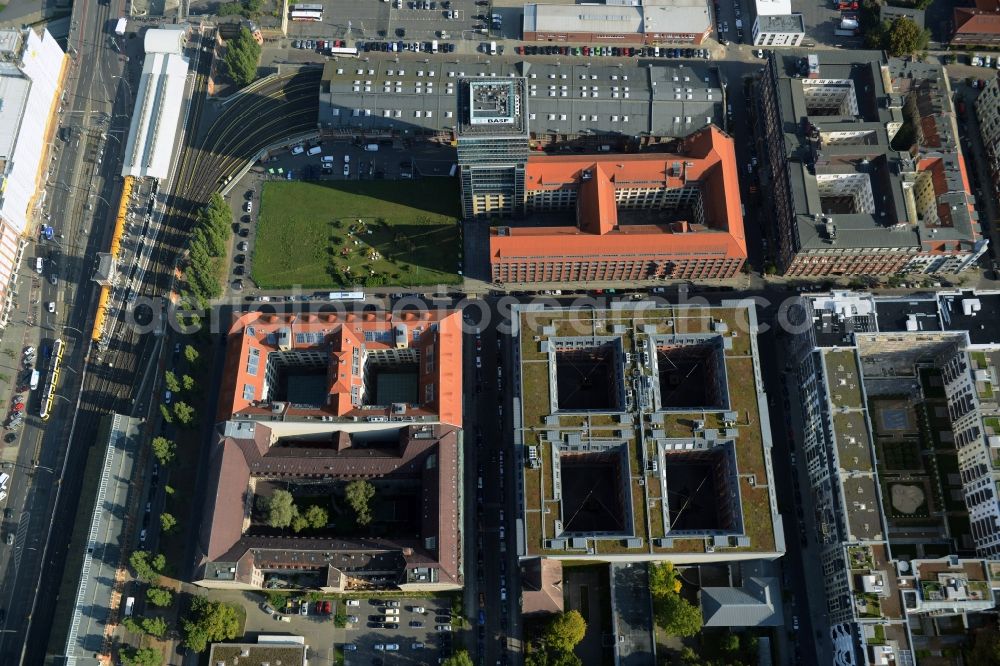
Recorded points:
(900, 465)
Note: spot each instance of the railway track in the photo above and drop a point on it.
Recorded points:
(286, 106)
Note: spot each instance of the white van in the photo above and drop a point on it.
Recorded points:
(371, 148)
(315, 150)
(39, 264)
(4, 478)
(298, 150)
(327, 159)
(434, 46)
(35, 377)
(493, 48)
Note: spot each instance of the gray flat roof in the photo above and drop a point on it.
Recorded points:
(981, 323)
(783, 23)
(492, 106)
(857, 74)
(815, 150)
(676, 16)
(671, 100)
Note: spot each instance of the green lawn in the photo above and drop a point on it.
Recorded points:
(309, 234)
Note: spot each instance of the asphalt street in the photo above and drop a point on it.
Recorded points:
(495, 589)
(81, 184)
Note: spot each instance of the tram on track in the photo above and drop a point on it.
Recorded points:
(52, 381)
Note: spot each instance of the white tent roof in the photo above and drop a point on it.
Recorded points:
(158, 103)
(164, 40)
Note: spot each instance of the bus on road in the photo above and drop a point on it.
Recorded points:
(307, 16)
(346, 296)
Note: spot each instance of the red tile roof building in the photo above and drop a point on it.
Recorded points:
(421, 551)
(416, 355)
(690, 224)
(979, 25)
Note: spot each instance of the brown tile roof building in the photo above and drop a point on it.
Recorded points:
(977, 25)
(250, 461)
(690, 219)
(263, 349)
(541, 585)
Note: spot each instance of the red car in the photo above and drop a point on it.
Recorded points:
(326, 607)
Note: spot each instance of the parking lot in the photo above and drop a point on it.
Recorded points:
(370, 19)
(358, 639)
(415, 637)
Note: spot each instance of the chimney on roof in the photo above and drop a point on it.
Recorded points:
(284, 338)
(341, 441)
(401, 338)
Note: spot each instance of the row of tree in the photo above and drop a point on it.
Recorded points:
(205, 622)
(282, 512)
(249, 8)
(207, 251)
(242, 55)
(898, 37)
(673, 613)
(554, 645)
(182, 411)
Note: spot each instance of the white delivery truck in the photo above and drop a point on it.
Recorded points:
(493, 48)
(120, 26)
(434, 46)
(35, 377)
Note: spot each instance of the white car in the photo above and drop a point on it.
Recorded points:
(51, 307)
(443, 627)
(347, 159)
(347, 170)
(248, 206)
(353, 602)
(419, 609)
(380, 646)
(391, 647)
(298, 150)
(352, 618)
(167, 397)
